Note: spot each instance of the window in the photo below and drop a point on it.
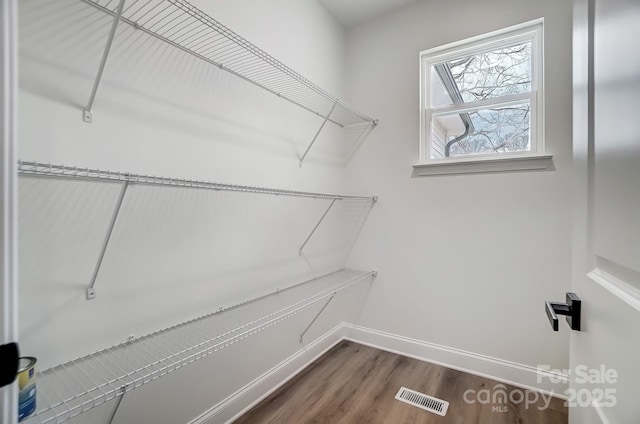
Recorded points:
(483, 97)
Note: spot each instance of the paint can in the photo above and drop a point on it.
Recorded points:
(26, 387)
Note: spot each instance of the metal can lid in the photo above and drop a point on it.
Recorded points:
(26, 362)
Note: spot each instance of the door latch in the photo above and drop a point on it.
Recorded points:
(9, 359)
(571, 309)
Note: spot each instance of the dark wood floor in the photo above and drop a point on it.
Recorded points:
(357, 384)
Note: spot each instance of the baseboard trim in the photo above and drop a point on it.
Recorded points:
(253, 393)
(519, 375)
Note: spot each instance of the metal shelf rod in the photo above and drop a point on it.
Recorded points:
(315, 318)
(87, 114)
(316, 227)
(116, 407)
(91, 292)
(315, 137)
(62, 171)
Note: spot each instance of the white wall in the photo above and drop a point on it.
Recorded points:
(174, 254)
(465, 261)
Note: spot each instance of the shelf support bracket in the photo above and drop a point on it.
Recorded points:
(316, 227)
(87, 115)
(91, 291)
(315, 137)
(117, 406)
(316, 317)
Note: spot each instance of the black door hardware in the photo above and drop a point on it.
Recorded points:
(571, 309)
(8, 363)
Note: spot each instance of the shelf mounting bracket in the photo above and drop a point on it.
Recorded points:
(316, 317)
(117, 405)
(87, 115)
(91, 291)
(315, 137)
(316, 227)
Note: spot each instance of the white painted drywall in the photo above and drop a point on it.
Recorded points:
(465, 261)
(354, 12)
(174, 254)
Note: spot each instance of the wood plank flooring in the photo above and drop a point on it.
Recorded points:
(353, 384)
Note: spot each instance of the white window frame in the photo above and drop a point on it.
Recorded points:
(529, 31)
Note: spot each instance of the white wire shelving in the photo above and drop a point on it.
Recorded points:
(184, 26)
(77, 386)
(65, 171)
(125, 179)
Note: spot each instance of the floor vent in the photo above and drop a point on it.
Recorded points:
(423, 401)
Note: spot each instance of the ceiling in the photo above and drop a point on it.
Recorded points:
(353, 12)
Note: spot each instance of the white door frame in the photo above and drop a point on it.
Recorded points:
(8, 195)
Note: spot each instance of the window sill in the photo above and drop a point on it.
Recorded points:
(532, 162)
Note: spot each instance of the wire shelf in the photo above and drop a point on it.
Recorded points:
(63, 171)
(189, 29)
(77, 386)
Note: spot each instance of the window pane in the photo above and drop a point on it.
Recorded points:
(497, 129)
(487, 75)
(439, 93)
